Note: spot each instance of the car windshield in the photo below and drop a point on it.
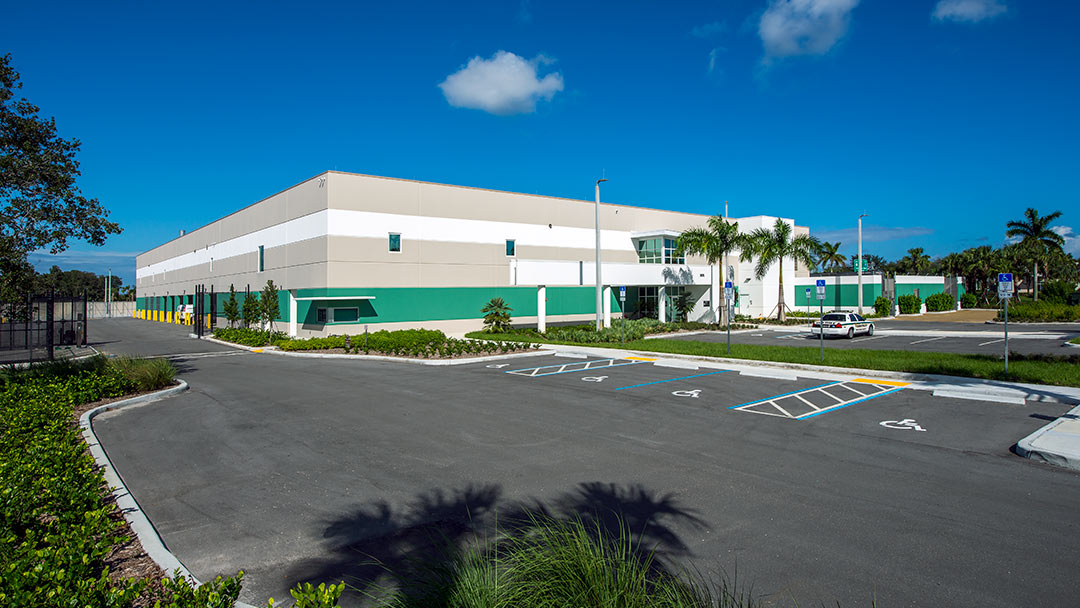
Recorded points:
(834, 317)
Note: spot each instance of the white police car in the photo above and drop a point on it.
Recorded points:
(843, 324)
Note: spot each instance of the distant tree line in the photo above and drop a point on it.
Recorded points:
(1036, 251)
(68, 283)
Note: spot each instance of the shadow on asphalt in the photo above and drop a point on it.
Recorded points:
(381, 548)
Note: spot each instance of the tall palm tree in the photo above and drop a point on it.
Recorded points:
(1035, 232)
(916, 261)
(714, 242)
(772, 246)
(831, 258)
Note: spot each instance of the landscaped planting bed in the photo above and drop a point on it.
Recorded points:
(635, 329)
(406, 343)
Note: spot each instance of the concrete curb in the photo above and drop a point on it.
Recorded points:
(140, 524)
(1027, 447)
(254, 349)
(1076, 323)
(950, 386)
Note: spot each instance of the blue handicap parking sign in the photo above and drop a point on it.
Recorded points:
(1005, 277)
(821, 282)
(727, 284)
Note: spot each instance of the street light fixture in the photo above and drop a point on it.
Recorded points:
(860, 261)
(599, 286)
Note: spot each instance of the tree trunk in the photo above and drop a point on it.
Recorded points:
(1035, 281)
(722, 317)
(780, 303)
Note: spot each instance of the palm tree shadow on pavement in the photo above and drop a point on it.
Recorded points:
(379, 546)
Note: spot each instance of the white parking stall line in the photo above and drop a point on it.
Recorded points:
(992, 342)
(865, 338)
(828, 394)
(928, 340)
(577, 366)
(232, 353)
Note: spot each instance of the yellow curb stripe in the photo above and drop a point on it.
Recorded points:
(640, 359)
(882, 382)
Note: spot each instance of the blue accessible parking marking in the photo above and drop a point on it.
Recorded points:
(817, 400)
(621, 388)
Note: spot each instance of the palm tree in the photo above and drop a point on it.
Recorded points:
(831, 258)
(714, 243)
(772, 246)
(1034, 231)
(915, 261)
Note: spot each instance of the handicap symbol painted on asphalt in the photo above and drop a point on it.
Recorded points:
(499, 365)
(902, 425)
(594, 378)
(694, 393)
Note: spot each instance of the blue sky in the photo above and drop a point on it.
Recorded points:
(941, 119)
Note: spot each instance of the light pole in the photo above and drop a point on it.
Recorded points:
(860, 261)
(599, 286)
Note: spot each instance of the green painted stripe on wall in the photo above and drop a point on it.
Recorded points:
(415, 304)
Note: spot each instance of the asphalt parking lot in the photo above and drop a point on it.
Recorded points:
(293, 468)
(1049, 343)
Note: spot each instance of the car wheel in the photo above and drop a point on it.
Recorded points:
(870, 331)
(851, 333)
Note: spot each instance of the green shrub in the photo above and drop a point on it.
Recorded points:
(178, 592)
(1056, 292)
(246, 336)
(882, 306)
(307, 596)
(146, 374)
(969, 300)
(250, 310)
(1042, 311)
(496, 316)
(909, 304)
(939, 302)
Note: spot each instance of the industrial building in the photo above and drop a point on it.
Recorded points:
(350, 251)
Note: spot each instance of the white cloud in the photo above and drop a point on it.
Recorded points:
(968, 11)
(803, 27)
(708, 30)
(872, 234)
(713, 56)
(505, 84)
(1072, 239)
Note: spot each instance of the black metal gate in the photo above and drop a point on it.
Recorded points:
(41, 323)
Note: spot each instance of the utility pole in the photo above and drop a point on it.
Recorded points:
(599, 284)
(860, 262)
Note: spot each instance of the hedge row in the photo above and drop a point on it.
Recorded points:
(405, 342)
(58, 526)
(1042, 311)
(940, 302)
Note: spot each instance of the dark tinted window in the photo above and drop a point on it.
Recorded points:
(835, 317)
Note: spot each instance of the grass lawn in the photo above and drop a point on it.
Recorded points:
(1075, 340)
(1063, 371)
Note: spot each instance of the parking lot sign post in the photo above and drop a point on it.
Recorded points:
(622, 307)
(1005, 292)
(729, 292)
(808, 301)
(821, 315)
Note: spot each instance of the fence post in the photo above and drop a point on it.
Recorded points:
(86, 318)
(49, 321)
(29, 335)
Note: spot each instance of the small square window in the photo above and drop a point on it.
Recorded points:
(511, 248)
(320, 315)
(395, 242)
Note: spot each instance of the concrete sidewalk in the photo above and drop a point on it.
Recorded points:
(1056, 443)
